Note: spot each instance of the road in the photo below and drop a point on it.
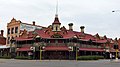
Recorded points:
(57, 63)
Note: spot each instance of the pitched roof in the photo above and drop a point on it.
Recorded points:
(24, 49)
(42, 34)
(69, 34)
(22, 39)
(101, 41)
(91, 49)
(47, 33)
(119, 43)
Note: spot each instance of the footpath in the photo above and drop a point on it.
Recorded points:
(101, 60)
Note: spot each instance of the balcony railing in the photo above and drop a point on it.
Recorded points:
(22, 45)
(89, 46)
(61, 44)
(56, 44)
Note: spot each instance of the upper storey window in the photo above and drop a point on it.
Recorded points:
(12, 30)
(8, 31)
(16, 29)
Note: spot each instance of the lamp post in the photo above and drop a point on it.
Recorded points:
(116, 54)
(116, 49)
(40, 53)
(42, 45)
(76, 48)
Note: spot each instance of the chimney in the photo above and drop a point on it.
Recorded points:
(82, 29)
(33, 22)
(70, 26)
(2, 32)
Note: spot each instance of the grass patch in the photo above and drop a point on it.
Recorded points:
(5, 57)
(90, 57)
(22, 57)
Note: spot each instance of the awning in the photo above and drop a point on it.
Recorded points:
(91, 49)
(56, 48)
(113, 50)
(23, 39)
(85, 39)
(101, 41)
(24, 49)
(4, 46)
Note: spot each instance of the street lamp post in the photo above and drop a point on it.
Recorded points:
(116, 54)
(116, 49)
(42, 46)
(76, 51)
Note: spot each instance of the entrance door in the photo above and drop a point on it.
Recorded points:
(57, 55)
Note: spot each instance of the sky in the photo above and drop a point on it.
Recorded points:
(95, 15)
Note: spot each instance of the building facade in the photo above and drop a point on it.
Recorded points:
(3, 48)
(2, 38)
(15, 27)
(56, 42)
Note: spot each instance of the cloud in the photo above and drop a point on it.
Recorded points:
(96, 15)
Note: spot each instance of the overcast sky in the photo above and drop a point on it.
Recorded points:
(95, 15)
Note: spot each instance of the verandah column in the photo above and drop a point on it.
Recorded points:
(84, 52)
(91, 53)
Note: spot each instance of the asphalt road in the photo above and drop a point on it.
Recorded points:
(57, 63)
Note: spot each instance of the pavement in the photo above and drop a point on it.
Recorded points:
(58, 63)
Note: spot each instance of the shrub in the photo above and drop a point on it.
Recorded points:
(21, 57)
(90, 57)
(5, 57)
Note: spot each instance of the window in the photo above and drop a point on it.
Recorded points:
(57, 36)
(56, 28)
(56, 41)
(16, 29)
(8, 31)
(8, 40)
(12, 31)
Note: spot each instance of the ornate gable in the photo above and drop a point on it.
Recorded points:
(24, 34)
(56, 36)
